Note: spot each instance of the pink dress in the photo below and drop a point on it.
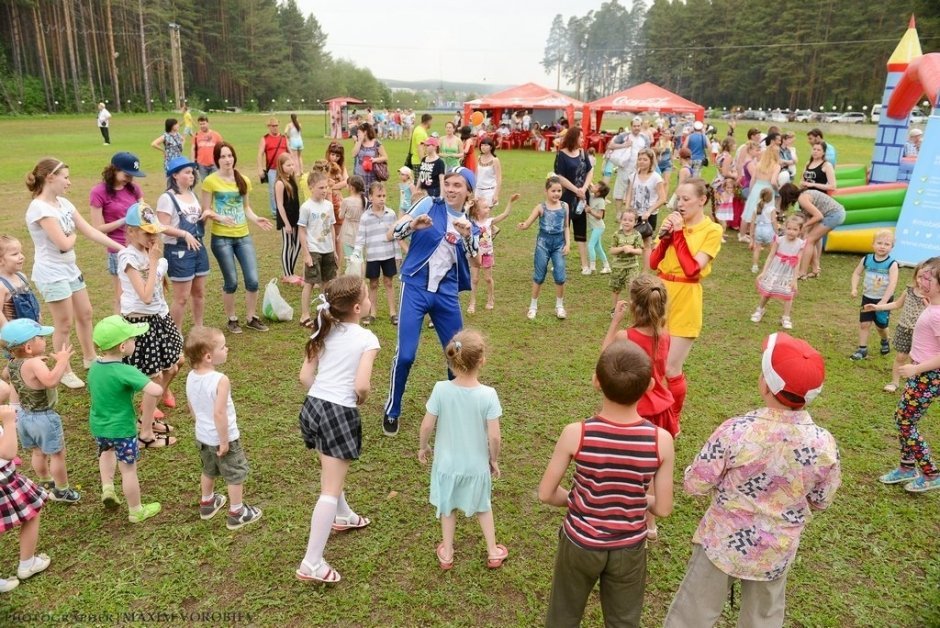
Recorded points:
(777, 281)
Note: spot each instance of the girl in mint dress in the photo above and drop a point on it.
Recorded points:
(466, 447)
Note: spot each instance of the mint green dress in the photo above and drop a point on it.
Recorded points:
(460, 473)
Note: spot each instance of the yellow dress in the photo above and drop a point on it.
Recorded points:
(684, 307)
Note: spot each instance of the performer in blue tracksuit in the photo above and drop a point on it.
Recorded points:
(434, 272)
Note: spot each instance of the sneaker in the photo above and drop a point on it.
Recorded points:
(860, 354)
(47, 484)
(754, 269)
(561, 313)
(8, 585)
(67, 495)
(109, 498)
(248, 514)
(605, 270)
(786, 323)
(87, 363)
(146, 511)
(885, 347)
(71, 380)
(390, 425)
(532, 313)
(901, 474)
(255, 323)
(757, 315)
(393, 319)
(208, 509)
(922, 484)
(40, 563)
(585, 271)
(233, 326)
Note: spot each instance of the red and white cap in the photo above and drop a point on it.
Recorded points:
(793, 370)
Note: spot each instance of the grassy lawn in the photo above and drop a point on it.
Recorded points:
(871, 560)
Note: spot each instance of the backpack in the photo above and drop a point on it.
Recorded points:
(25, 304)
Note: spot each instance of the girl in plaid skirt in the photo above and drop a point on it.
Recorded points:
(20, 504)
(337, 370)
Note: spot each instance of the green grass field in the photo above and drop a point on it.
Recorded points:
(870, 560)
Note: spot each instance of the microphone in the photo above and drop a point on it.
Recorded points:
(664, 231)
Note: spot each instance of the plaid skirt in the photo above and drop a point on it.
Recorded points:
(331, 429)
(20, 498)
(160, 348)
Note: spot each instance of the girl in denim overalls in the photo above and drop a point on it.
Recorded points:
(552, 243)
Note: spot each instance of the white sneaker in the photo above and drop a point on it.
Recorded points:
(561, 313)
(87, 363)
(71, 380)
(585, 271)
(605, 270)
(40, 563)
(757, 315)
(786, 323)
(754, 269)
(531, 314)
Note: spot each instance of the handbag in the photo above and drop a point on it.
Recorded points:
(380, 170)
(644, 228)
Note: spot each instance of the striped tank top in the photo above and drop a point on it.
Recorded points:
(613, 467)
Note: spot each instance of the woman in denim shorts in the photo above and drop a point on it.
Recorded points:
(54, 225)
(179, 210)
(823, 214)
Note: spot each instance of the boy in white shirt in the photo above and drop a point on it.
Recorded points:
(315, 230)
(209, 394)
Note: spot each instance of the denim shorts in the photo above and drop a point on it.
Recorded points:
(226, 250)
(833, 219)
(41, 429)
(60, 290)
(183, 264)
(127, 449)
(112, 264)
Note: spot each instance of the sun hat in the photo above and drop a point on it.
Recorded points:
(178, 163)
(404, 170)
(113, 330)
(697, 125)
(142, 215)
(19, 331)
(128, 163)
(793, 370)
(915, 132)
(467, 175)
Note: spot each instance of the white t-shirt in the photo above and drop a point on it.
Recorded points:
(339, 361)
(318, 219)
(104, 117)
(130, 301)
(644, 192)
(201, 391)
(50, 264)
(190, 212)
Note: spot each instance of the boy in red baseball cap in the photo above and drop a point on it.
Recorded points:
(766, 471)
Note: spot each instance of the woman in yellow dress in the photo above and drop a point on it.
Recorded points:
(688, 242)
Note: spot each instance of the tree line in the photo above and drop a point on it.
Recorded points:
(67, 55)
(749, 53)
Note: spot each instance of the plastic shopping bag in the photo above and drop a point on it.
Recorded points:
(274, 307)
(354, 265)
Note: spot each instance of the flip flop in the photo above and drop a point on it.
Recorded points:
(157, 438)
(446, 565)
(346, 523)
(328, 575)
(495, 562)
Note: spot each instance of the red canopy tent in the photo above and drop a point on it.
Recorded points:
(528, 96)
(642, 97)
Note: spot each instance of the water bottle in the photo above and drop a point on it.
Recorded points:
(579, 208)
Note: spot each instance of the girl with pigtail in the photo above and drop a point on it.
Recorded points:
(648, 308)
(337, 371)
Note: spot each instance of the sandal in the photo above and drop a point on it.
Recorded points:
(160, 427)
(472, 309)
(322, 572)
(352, 522)
(169, 399)
(652, 534)
(890, 388)
(495, 562)
(306, 322)
(157, 438)
(445, 564)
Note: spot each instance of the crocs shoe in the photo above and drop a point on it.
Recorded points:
(899, 475)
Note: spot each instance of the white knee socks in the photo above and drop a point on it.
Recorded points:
(321, 523)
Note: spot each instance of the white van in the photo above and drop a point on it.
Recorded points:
(876, 112)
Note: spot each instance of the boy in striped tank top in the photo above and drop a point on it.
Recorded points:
(617, 454)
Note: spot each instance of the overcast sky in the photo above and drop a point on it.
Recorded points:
(480, 41)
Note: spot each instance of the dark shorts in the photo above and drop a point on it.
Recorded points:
(322, 270)
(331, 429)
(233, 466)
(160, 348)
(880, 319)
(126, 449)
(184, 264)
(903, 336)
(387, 267)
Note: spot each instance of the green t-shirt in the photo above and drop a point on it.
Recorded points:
(626, 260)
(112, 386)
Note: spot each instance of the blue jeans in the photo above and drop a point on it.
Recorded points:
(549, 246)
(272, 177)
(595, 248)
(226, 250)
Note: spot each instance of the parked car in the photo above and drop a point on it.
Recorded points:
(829, 117)
(850, 117)
(751, 114)
(780, 115)
(876, 112)
(803, 115)
(918, 117)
